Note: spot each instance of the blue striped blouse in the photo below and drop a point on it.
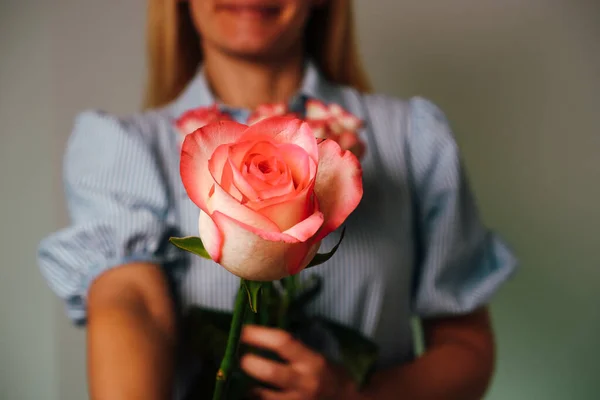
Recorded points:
(415, 245)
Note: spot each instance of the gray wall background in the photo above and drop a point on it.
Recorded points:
(520, 81)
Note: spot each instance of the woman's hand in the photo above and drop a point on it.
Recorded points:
(306, 376)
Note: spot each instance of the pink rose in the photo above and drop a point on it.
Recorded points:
(198, 117)
(350, 141)
(267, 110)
(320, 128)
(333, 122)
(268, 193)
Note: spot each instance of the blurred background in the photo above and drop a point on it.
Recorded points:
(519, 80)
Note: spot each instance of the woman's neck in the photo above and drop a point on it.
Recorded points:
(243, 83)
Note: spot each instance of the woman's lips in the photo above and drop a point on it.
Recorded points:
(255, 10)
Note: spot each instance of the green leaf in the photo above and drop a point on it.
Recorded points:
(253, 289)
(320, 258)
(309, 291)
(206, 336)
(359, 353)
(192, 244)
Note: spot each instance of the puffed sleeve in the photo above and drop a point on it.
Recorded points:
(118, 206)
(461, 263)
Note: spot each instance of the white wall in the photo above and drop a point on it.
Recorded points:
(520, 80)
(28, 353)
(98, 61)
(55, 60)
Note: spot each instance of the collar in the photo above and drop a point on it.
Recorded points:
(198, 93)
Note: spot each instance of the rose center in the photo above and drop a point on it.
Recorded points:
(264, 167)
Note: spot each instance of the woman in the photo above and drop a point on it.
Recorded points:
(414, 246)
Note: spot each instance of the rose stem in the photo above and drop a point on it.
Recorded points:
(233, 340)
(288, 297)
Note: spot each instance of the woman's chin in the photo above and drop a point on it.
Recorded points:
(259, 48)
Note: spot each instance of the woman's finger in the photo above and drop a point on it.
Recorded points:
(278, 341)
(267, 394)
(274, 373)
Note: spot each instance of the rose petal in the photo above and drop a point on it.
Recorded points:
(197, 148)
(350, 122)
(249, 256)
(335, 126)
(292, 211)
(194, 119)
(338, 186)
(284, 184)
(218, 165)
(264, 148)
(270, 170)
(319, 127)
(254, 183)
(299, 164)
(217, 162)
(281, 190)
(351, 141)
(272, 183)
(278, 199)
(316, 110)
(212, 238)
(347, 120)
(223, 202)
(242, 185)
(266, 202)
(186, 127)
(294, 157)
(267, 110)
(240, 152)
(284, 130)
(228, 185)
(304, 230)
(298, 256)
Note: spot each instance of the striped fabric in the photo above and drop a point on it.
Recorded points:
(414, 247)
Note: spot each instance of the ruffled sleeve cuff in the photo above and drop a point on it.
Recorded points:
(119, 209)
(461, 262)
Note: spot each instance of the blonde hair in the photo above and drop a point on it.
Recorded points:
(174, 51)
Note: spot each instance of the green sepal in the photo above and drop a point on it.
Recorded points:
(192, 244)
(320, 258)
(253, 288)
